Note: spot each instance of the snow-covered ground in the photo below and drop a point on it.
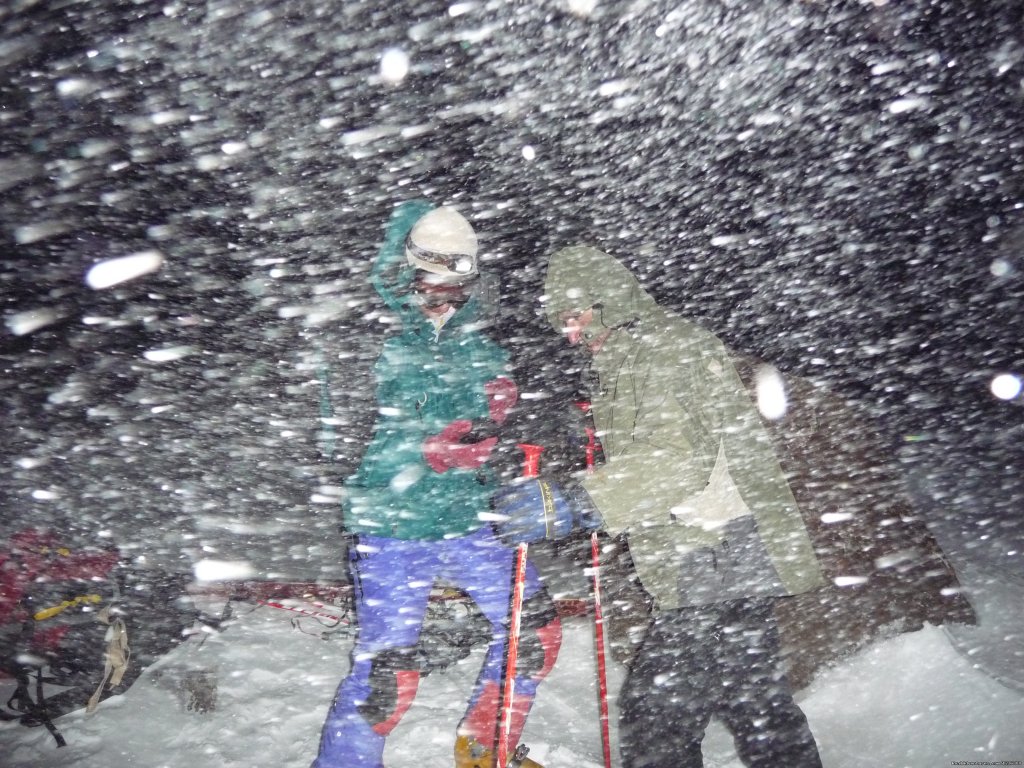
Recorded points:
(914, 700)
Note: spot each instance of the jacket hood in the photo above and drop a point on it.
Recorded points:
(393, 276)
(580, 277)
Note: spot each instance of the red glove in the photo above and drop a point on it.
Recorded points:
(444, 451)
(502, 394)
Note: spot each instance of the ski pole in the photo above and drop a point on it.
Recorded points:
(531, 468)
(304, 612)
(531, 459)
(602, 672)
(512, 656)
(590, 449)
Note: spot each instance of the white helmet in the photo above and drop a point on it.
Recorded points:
(443, 242)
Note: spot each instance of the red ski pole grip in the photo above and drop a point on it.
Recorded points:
(531, 459)
(591, 447)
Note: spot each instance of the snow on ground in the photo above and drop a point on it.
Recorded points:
(912, 701)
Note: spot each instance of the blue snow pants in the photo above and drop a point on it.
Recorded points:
(392, 579)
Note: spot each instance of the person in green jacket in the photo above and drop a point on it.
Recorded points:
(691, 480)
(418, 507)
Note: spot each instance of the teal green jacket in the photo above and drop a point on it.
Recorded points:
(425, 380)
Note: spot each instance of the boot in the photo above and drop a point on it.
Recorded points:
(470, 753)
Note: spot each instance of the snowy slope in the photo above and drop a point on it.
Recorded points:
(911, 701)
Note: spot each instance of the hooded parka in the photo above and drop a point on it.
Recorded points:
(426, 378)
(690, 476)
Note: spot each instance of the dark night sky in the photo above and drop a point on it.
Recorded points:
(832, 187)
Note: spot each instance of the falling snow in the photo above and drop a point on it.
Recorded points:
(191, 196)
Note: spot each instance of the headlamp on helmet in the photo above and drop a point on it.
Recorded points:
(443, 243)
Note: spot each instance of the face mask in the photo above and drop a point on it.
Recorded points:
(434, 300)
(438, 294)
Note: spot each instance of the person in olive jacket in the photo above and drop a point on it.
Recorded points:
(691, 479)
(419, 504)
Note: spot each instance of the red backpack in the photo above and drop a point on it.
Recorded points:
(75, 618)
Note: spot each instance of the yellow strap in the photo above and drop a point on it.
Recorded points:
(49, 613)
(62, 551)
(549, 508)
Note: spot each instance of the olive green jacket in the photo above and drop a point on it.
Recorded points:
(671, 405)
